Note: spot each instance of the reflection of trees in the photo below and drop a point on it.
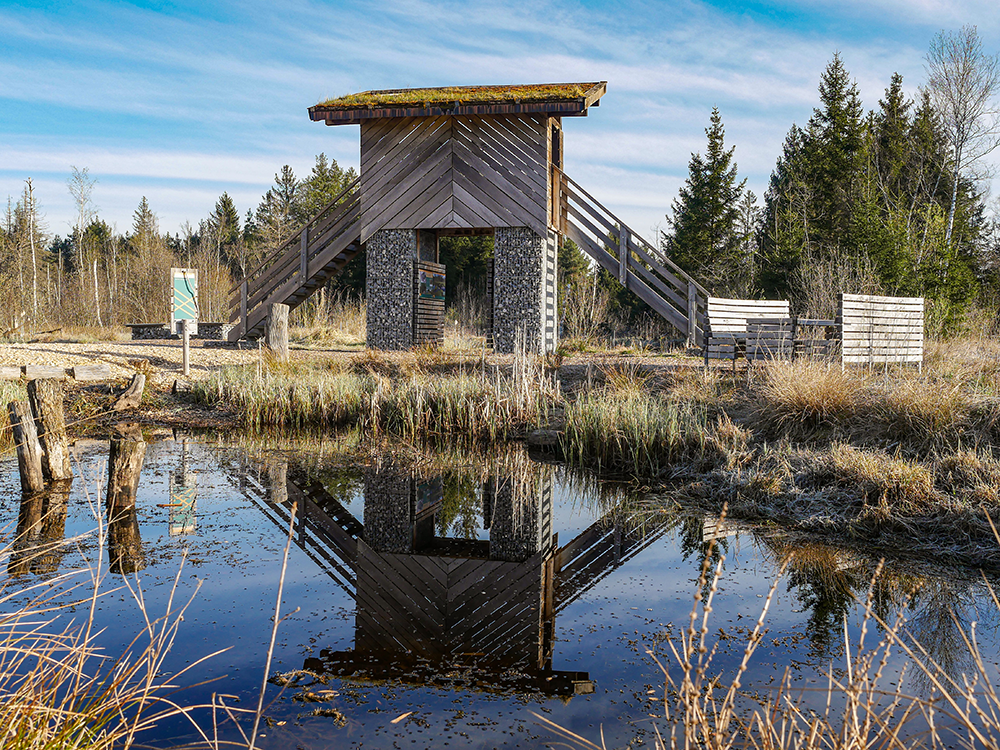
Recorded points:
(460, 506)
(943, 610)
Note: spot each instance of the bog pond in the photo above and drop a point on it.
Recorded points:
(443, 599)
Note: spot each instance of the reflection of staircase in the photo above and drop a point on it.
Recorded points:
(303, 264)
(641, 268)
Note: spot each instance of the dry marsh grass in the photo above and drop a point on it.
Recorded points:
(405, 396)
(944, 407)
(865, 703)
(59, 688)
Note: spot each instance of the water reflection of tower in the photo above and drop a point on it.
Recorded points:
(183, 493)
(436, 602)
(456, 610)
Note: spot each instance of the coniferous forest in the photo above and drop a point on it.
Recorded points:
(886, 200)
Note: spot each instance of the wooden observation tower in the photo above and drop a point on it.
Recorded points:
(462, 160)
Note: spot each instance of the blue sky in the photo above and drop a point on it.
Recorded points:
(179, 101)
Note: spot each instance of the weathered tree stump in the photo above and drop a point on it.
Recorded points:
(276, 332)
(125, 555)
(124, 466)
(132, 396)
(29, 449)
(46, 397)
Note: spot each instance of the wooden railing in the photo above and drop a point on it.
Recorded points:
(289, 268)
(639, 266)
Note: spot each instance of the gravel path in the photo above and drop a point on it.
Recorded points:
(163, 356)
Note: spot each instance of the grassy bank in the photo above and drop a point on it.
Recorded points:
(892, 456)
(385, 397)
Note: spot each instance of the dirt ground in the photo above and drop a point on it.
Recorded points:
(164, 358)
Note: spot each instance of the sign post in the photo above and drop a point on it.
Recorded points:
(184, 299)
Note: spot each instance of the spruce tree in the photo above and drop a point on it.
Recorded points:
(835, 154)
(704, 239)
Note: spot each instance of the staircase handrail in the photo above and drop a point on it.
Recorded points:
(294, 236)
(632, 233)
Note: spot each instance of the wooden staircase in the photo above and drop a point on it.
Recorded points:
(321, 249)
(303, 264)
(639, 266)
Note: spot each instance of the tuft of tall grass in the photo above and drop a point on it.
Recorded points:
(633, 432)
(805, 394)
(58, 688)
(476, 406)
(945, 407)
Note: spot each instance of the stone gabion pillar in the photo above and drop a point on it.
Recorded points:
(387, 517)
(523, 262)
(389, 288)
(521, 522)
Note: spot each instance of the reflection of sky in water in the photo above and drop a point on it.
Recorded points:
(234, 550)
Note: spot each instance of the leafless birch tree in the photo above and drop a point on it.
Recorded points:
(963, 82)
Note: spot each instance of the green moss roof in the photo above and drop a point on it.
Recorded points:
(448, 96)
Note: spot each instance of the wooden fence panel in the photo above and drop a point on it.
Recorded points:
(879, 330)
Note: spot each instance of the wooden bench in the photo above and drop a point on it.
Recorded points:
(880, 330)
(754, 329)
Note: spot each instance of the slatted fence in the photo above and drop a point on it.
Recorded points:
(755, 329)
(878, 330)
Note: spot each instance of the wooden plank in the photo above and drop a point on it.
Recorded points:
(396, 588)
(882, 300)
(374, 202)
(410, 157)
(288, 270)
(386, 144)
(513, 145)
(284, 292)
(427, 204)
(646, 258)
(498, 187)
(33, 372)
(493, 145)
(509, 151)
(493, 163)
(490, 193)
(395, 199)
(635, 284)
(10, 373)
(97, 371)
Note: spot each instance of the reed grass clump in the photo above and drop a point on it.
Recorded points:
(633, 432)
(475, 406)
(803, 395)
(944, 407)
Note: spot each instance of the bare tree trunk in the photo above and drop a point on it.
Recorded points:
(97, 299)
(29, 209)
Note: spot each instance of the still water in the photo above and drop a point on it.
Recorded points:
(463, 593)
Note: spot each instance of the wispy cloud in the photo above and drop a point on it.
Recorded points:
(179, 104)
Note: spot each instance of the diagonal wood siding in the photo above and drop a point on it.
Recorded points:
(459, 172)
